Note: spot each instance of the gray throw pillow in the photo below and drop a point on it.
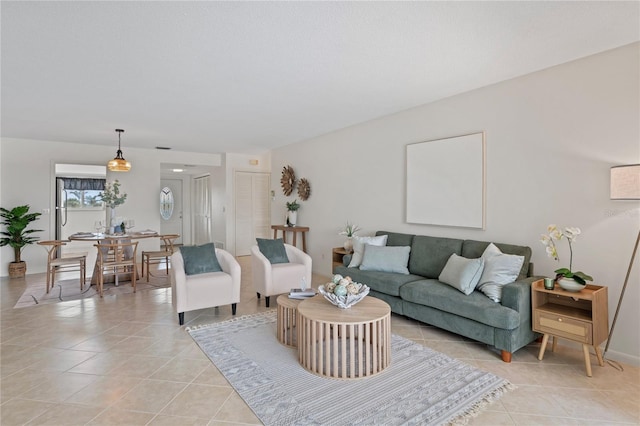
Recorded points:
(200, 259)
(461, 273)
(273, 250)
(386, 259)
(499, 270)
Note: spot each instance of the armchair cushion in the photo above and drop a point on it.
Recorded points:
(200, 259)
(273, 250)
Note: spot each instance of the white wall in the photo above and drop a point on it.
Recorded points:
(551, 137)
(27, 177)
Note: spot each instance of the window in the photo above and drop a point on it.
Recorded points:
(80, 193)
(81, 199)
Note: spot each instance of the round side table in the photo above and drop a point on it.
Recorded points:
(344, 343)
(286, 323)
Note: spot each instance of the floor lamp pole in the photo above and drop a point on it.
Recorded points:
(624, 287)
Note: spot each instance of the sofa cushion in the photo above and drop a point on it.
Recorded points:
(500, 269)
(430, 254)
(273, 250)
(397, 239)
(475, 306)
(382, 282)
(386, 259)
(200, 259)
(461, 273)
(358, 248)
(473, 249)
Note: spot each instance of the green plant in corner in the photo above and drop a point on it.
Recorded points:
(16, 235)
(570, 234)
(293, 205)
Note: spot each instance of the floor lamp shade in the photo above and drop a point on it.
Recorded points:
(625, 182)
(625, 185)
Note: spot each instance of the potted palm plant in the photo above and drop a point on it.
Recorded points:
(17, 236)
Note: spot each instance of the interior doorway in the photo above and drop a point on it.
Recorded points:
(253, 209)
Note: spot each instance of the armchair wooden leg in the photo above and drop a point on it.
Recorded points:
(258, 295)
(266, 299)
(233, 308)
(181, 318)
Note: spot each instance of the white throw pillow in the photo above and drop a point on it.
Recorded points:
(499, 269)
(461, 273)
(358, 247)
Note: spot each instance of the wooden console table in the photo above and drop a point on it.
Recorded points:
(295, 229)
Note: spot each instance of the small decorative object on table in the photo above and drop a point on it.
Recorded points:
(350, 231)
(549, 283)
(343, 292)
(566, 278)
(292, 212)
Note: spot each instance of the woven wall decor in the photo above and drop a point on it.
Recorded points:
(304, 189)
(288, 180)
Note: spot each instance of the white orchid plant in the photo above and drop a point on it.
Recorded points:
(350, 230)
(570, 234)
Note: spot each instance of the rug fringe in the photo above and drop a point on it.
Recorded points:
(477, 408)
(234, 319)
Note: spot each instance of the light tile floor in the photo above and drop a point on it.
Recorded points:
(124, 360)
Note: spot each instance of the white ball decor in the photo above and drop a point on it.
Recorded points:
(343, 292)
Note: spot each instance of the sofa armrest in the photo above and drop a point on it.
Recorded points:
(230, 265)
(260, 270)
(178, 279)
(517, 295)
(296, 255)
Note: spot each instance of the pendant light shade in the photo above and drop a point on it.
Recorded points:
(119, 164)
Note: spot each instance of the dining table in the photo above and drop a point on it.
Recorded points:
(97, 237)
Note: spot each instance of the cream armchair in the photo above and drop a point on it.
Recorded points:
(272, 279)
(207, 290)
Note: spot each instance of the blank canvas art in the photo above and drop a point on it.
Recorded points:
(446, 181)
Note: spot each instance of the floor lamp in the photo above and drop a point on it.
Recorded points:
(625, 185)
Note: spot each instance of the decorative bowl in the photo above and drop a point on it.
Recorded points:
(569, 284)
(346, 301)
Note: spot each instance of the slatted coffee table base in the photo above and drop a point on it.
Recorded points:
(286, 320)
(344, 351)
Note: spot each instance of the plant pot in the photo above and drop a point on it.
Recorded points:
(292, 218)
(17, 269)
(569, 284)
(348, 244)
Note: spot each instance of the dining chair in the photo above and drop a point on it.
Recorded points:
(63, 262)
(158, 257)
(116, 257)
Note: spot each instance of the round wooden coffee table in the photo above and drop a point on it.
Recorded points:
(344, 343)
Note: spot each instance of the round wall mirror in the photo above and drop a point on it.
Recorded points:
(166, 203)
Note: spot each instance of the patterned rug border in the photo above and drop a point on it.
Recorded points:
(269, 317)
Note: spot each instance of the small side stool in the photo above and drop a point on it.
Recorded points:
(286, 324)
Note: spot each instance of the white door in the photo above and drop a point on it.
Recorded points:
(202, 210)
(171, 223)
(253, 210)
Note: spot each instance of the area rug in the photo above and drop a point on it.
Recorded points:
(421, 386)
(64, 290)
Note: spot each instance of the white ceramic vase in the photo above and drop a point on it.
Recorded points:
(112, 221)
(292, 218)
(569, 284)
(348, 244)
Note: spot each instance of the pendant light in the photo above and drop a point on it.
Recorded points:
(119, 164)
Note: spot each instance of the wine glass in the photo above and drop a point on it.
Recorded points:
(98, 225)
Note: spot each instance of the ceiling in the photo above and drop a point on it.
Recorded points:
(250, 76)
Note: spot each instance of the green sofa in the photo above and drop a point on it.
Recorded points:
(419, 295)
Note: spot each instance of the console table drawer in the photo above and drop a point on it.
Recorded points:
(562, 326)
